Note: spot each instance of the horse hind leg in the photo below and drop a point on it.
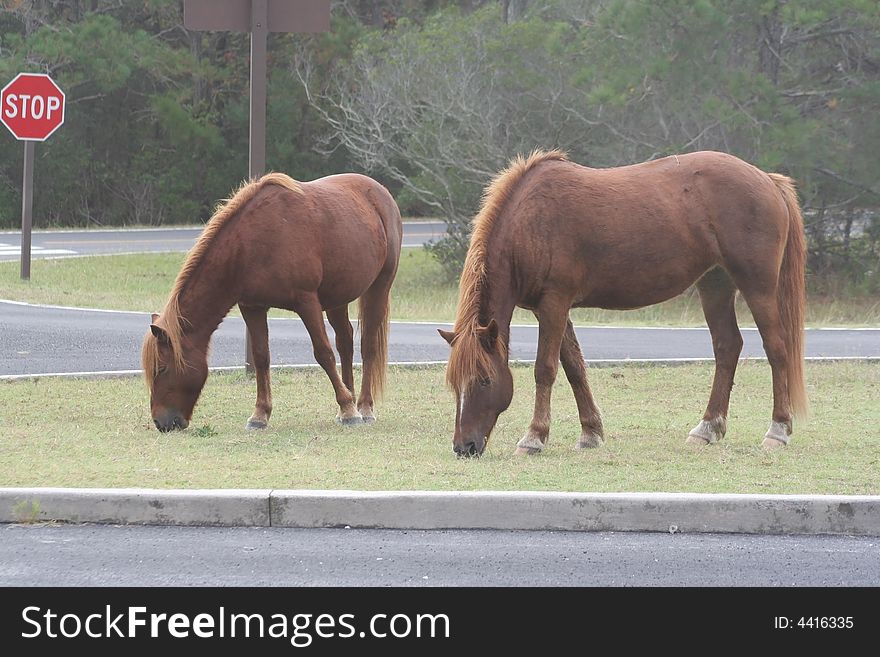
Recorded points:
(572, 360)
(766, 313)
(258, 329)
(717, 295)
(338, 318)
(312, 316)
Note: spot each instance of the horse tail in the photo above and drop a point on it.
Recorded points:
(374, 306)
(374, 311)
(791, 295)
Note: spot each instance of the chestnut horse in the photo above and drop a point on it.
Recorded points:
(306, 247)
(552, 235)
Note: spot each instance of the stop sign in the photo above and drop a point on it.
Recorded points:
(32, 106)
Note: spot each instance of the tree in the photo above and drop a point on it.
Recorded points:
(440, 105)
(127, 93)
(433, 97)
(432, 107)
(157, 122)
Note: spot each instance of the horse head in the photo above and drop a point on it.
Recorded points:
(175, 381)
(483, 385)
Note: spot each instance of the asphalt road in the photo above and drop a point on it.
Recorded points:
(39, 340)
(93, 242)
(202, 556)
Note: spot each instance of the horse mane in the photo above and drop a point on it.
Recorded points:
(172, 321)
(469, 360)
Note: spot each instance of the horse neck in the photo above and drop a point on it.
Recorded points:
(498, 295)
(210, 292)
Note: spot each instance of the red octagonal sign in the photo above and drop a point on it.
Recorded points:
(32, 106)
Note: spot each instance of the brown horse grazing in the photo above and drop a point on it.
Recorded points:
(306, 247)
(552, 235)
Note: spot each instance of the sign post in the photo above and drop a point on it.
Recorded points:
(259, 17)
(27, 210)
(32, 108)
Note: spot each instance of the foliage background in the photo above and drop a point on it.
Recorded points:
(433, 97)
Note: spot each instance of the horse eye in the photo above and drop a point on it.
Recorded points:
(161, 369)
(484, 382)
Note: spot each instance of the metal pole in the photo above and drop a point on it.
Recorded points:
(259, 32)
(257, 158)
(27, 210)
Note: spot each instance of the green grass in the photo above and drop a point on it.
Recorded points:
(142, 282)
(96, 433)
(129, 282)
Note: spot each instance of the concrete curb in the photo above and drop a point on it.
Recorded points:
(138, 506)
(653, 512)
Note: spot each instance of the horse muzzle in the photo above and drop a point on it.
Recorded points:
(469, 448)
(170, 421)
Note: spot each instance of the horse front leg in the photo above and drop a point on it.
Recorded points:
(312, 316)
(258, 329)
(552, 317)
(572, 359)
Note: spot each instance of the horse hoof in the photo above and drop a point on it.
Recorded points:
(777, 435)
(350, 421)
(531, 443)
(588, 442)
(255, 424)
(707, 432)
(368, 419)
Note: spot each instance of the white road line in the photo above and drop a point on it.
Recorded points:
(91, 310)
(600, 362)
(15, 250)
(95, 231)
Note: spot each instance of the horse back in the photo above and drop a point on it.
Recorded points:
(354, 205)
(334, 237)
(632, 236)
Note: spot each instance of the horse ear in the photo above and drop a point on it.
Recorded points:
(489, 334)
(154, 317)
(160, 334)
(449, 336)
(492, 330)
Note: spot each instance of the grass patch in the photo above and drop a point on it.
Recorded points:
(141, 282)
(98, 433)
(128, 282)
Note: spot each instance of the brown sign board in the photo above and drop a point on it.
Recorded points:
(235, 15)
